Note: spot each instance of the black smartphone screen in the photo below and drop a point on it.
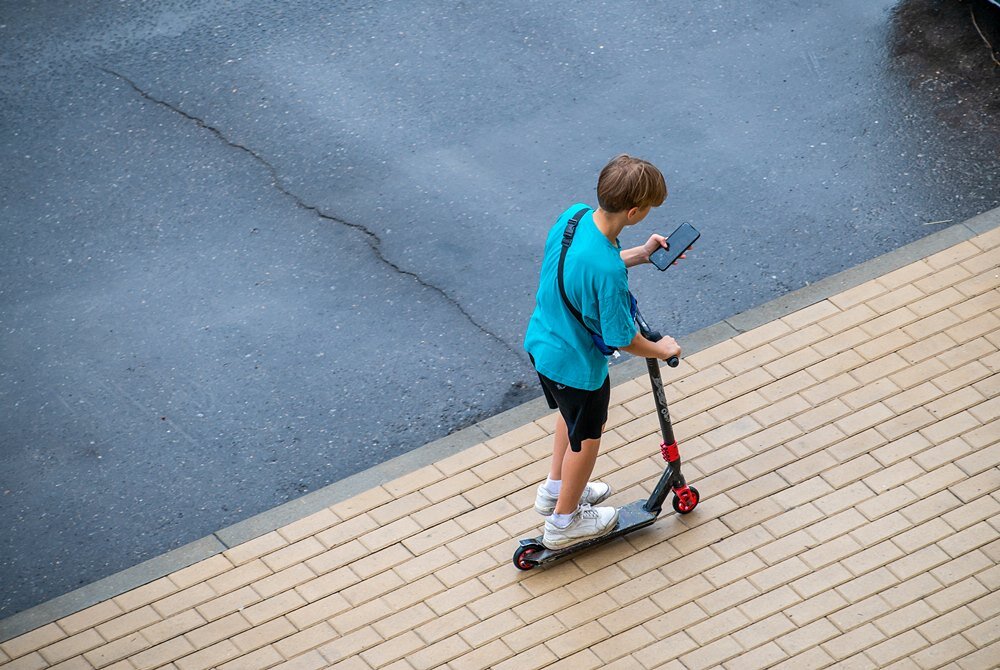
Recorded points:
(680, 241)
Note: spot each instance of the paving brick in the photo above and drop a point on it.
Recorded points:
(900, 448)
(768, 603)
(893, 317)
(941, 653)
(765, 462)
(815, 607)
(859, 613)
(785, 547)
(971, 538)
(173, 626)
(812, 659)
(727, 597)
(162, 654)
(515, 438)
(974, 327)
(312, 660)
(959, 568)
(394, 649)
(292, 645)
(255, 548)
(144, 595)
(337, 557)
(914, 589)
(887, 502)
(900, 646)
(893, 475)
(108, 655)
(182, 600)
(526, 637)
(920, 536)
(732, 431)
(832, 526)
(873, 557)
(538, 656)
(823, 414)
(781, 573)
(958, 384)
(274, 630)
(238, 577)
(209, 657)
(712, 655)
(229, 603)
(483, 657)
(577, 639)
(71, 646)
(957, 594)
(638, 587)
(733, 570)
(973, 487)
(901, 619)
(282, 581)
(986, 606)
(814, 441)
(980, 460)
(982, 659)
(848, 644)
(946, 625)
(622, 644)
(988, 301)
(221, 629)
(804, 637)
(752, 491)
(275, 606)
(915, 375)
(441, 511)
(717, 626)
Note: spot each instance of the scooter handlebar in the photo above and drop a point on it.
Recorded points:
(653, 336)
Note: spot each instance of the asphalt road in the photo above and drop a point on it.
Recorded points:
(249, 249)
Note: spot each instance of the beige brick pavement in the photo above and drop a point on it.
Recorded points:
(847, 456)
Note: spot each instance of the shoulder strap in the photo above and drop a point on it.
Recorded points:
(566, 242)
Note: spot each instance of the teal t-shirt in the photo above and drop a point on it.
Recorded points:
(596, 283)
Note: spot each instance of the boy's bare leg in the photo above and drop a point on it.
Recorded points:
(559, 447)
(576, 468)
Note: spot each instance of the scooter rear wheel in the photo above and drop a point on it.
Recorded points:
(684, 507)
(522, 559)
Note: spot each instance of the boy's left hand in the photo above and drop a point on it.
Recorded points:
(652, 244)
(655, 242)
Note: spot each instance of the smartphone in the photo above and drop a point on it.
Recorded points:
(680, 241)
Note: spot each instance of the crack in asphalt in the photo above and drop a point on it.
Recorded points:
(373, 240)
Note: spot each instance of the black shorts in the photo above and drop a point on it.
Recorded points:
(585, 412)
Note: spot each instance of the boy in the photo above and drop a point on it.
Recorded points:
(570, 366)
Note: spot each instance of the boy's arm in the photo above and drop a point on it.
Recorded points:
(661, 349)
(639, 255)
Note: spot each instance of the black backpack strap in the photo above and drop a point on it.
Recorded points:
(566, 242)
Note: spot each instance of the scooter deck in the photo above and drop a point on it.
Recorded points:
(631, 517)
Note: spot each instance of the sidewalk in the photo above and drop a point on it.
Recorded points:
(847, 458)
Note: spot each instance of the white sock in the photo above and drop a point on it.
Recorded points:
(553, 486)
(561, 520)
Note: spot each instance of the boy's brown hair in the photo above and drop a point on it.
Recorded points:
(628, 182)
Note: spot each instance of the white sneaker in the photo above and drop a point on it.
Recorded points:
(588, 523)
(593, 493)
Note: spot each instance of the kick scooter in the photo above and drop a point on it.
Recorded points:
(641, 513)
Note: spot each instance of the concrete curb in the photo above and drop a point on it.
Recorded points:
(495, 426)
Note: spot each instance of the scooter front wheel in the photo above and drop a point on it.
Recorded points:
(686, 503)
(522, 557)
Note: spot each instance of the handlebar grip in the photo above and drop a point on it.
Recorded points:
(673, 361)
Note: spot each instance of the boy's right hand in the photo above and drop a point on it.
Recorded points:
(668, 348)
